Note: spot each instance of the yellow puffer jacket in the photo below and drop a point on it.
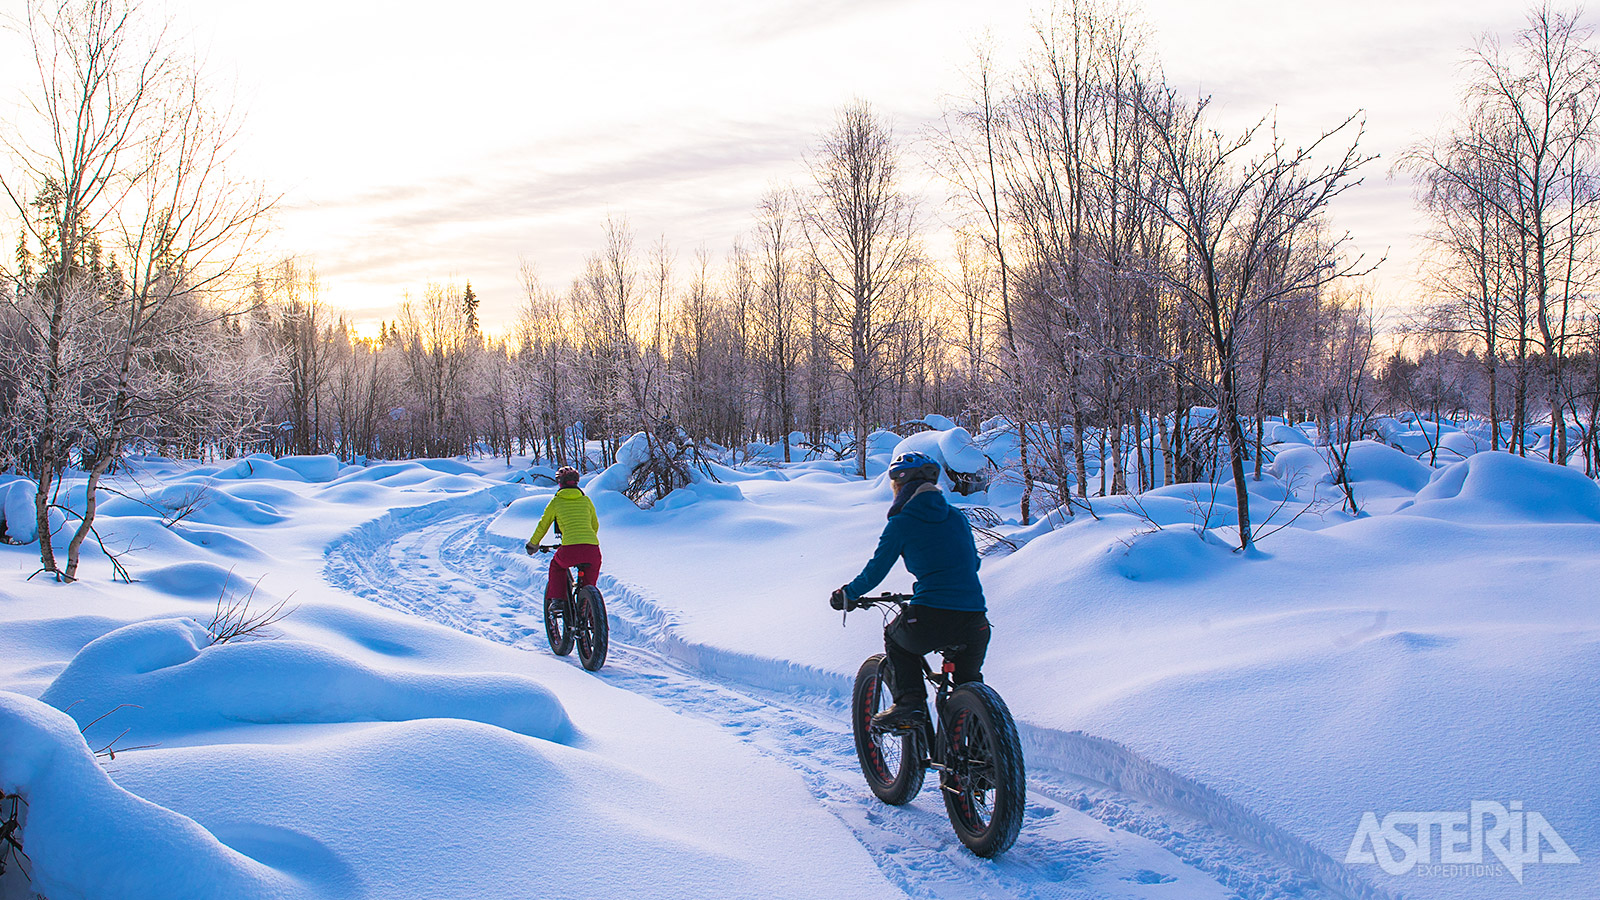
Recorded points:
(573, 511)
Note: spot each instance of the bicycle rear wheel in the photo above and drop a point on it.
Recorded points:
(892, 761)
(593, 631)
(985, 788)
(558, 624)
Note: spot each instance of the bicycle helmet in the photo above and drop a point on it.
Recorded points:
(913, 466)
(566, 477)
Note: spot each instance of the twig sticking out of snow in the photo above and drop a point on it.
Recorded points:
(11, 833)
(235, 620)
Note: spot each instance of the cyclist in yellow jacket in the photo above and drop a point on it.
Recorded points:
(572, 513)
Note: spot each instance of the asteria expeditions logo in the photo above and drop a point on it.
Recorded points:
(1404, 842)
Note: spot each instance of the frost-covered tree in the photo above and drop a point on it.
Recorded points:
(127, 159)
(861, 229)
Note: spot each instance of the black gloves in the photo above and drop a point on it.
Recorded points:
(842, 600)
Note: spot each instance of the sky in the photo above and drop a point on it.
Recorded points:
(416, 143)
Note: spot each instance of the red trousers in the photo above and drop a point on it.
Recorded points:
(567, 556)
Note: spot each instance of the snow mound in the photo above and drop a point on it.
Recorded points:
(997, 440)
(206, 503)
(1287, 434)
(87, 837)
(882, 442)
(313, 468)
(1370, 464)
(219, 542)
(356, 493)
(702, 488)
(266, 494)
(536, 475)
(195, 580)
(258, 467)
(447, 484)
(1455, 445)
(19, 512)
(1498, 488)
(179, 683)
(405, 474)
(1177, 505)
(1171, 555)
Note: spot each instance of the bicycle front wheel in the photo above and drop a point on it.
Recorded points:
(985, 788)
(558, 625)
(593, 632)
(892, 761)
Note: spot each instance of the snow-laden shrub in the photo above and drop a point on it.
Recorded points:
(651, 466)
(18, 516)
(966, 467)
(18, 511)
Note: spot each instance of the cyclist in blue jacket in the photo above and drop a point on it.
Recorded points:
(946, 605)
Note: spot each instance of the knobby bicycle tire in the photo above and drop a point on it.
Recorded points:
(984, 785)
(593, 631)
(892, 762)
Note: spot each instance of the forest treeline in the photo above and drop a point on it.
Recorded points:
(1119, 259)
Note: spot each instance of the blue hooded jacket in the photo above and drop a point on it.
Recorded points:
(936, 543)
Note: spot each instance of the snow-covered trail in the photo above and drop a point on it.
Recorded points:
(1079, 839)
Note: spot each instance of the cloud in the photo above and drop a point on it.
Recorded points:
(548, 202)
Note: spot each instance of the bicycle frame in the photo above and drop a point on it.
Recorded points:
(580, 619)
(572, 580)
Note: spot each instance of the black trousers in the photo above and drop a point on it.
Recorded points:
(920, 630)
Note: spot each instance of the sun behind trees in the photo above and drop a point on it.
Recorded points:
(1123, 264)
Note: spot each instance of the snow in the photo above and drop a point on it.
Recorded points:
(1380, 476)
(97, 839)
(1500, 488)
(1198, 722)
(20, 514)
(953, 448)
(1286, 434)
(178, 684)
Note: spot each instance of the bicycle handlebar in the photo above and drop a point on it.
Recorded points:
(884, 599)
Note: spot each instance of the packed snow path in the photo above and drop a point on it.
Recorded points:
(1079, 839)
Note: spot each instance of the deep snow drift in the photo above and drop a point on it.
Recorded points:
(1244, 713)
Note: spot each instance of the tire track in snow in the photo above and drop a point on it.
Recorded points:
(440, 562)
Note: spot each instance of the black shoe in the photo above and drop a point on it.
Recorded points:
(901, 717)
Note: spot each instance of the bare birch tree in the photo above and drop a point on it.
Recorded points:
(134, 162)
(1232, 214)
(861, 229)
